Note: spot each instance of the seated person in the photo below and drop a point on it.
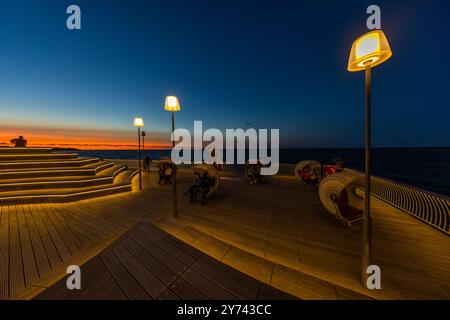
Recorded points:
(195, 187)
(218, 166)
(339, 164)
(19, 142)
(309, 176)
(202, 184)
(251, 173)
(206, 183)
(258, 178)
(165, 173)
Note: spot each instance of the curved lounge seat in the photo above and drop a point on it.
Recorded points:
(312, 165)
(164, 162)
(338, 195)
(212, 172)
(247, 167)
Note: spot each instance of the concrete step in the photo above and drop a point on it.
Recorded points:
(66, 194)
(36, 156)
(289, 280)
(105, 177)
(29, 173)
(12, 150)
(250, 242)
(72, 163)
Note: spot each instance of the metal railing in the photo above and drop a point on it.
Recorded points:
(430, 208)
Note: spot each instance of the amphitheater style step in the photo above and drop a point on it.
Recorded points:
(105, 177)
(29, 173)
(291, 281)
(37, 156)
(8, 150)
(36, 175)
(48, 164)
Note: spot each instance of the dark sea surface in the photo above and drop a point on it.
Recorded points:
(426, 168)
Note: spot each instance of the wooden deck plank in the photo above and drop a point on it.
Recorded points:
(63, 251)
(98, 225)
(80, 229)
(40, 254)
(131, 272)
(109, 212)
(61, 232)
(4, 253)
(16, 272)
(110, 291)
(146, 279)
(289, 229)
(170, 262)
(73, 242)
(131, 288)
(92, 227)
(29, 262)
(236, 288)
(175, 252)
(186, 291)
(166, 276)
(207, 287)
(50, 248)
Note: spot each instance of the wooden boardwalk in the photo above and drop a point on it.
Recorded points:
(276, 233)
(148, 263)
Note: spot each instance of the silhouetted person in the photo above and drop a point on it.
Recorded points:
(147, 162)
(193, 190)
(202, 185)
(206, 183)
(19, 142)
(165, 173)
(339, 164)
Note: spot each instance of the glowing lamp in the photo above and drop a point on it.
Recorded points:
(138, 122)
(369, 51)
(172, 104)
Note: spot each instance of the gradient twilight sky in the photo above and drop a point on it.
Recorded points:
(276, 64)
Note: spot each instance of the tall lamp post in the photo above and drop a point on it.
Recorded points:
(139, 122)
(367, 52)
(173, 105)
(143, 134)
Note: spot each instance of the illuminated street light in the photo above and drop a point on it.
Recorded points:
(368, 51)
(139, 122)
(173, 105)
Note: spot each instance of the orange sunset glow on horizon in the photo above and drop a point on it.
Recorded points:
(80, 138)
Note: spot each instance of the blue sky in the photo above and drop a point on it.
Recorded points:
(275, 64)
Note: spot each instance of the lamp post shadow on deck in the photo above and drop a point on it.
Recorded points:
(139, 122)
(367, 52)
(173, 105)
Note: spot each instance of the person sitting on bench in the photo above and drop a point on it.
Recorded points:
(19, 142)
(310, 176)
(165, 173)
(257, 177)
(195, 187)
(202, 184)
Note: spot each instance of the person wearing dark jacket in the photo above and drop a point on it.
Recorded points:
(147, 163)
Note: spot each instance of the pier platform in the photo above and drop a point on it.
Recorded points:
(277, 233)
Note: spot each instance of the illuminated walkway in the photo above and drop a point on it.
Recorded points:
(148, 263)
(277, 233)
